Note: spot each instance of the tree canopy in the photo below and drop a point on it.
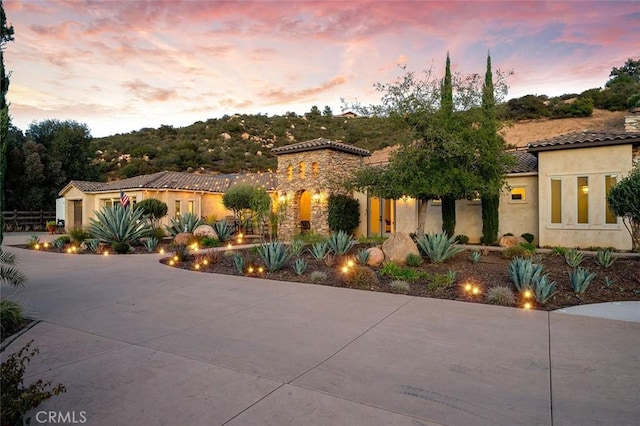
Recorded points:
(624, 201)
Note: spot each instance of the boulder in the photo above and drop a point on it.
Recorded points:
(183, 238)
(398, 246)
(376, 256)
(205, 231)
(510, 241)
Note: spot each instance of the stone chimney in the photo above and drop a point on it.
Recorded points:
(632, 121)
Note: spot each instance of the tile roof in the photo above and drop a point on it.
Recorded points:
(320, 143)
(180, 181)
(582, 139)
(526, 162)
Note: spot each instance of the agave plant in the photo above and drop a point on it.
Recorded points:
(340, 242)
(274, 255)
(299, 266)
(319, 250)
(580, 279)
(150, 244)
(187, 222)
(238, 262)
(362, 256)
(92, 244)
(223, 230)
(475, 256)
(118, 224)
(543, 289)
(524, 273)
(438, 247)
(8, 272)
(296, 247)
(573, 257)
(604, 258)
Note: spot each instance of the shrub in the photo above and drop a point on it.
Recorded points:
(543, 289)
(624, 202)
(319, 250)
(528, 237)
(523, 273)
(151, 244)
(530, 247)
(559, 251)
(604, 258)
(187, 222)
(340, 242)
(361, 277)
(238, 262)
(274, 255)
(343, 213)
(400, 286)
(441, 281)
(153, 210)
(183, 252)
(413, 259)
(318, 277)
(32, 241)
(362, 256)
(120, 248)
(78, 235)
(395, 271)
(329, 260)
(501, 295)
(581, 279)
(296, 247)
(59, 243)
(11, 316)
(223, 230)
(574, 257)
(118, 224)
(17, 399)
(438, 247)
(311, 237)
(299, 266)
(462, 239)
(208, 242)
(92, 244)
(475, 256)
(516, 251)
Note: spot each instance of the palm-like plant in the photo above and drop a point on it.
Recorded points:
(187, 222)
(8, 272)
(438, 247)
(119, 224)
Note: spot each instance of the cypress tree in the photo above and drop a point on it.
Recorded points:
(446, 107)
(6, 35)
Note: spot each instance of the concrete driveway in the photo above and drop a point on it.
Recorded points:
(136, 342)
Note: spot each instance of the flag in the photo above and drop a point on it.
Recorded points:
(124, 199)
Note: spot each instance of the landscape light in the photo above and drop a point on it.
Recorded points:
(205, 262)
(468, 287)
(175, 258)
(475, 290)
(105, 253)
(46, 245)
(229, 246)
(161, 251)
(350, 263)
(37, 246)
(261, 269)
(527, 305)
(345, 269)
(197, 266)
(171, 262)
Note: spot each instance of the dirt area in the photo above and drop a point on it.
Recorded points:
(526, 131)
(619, 282)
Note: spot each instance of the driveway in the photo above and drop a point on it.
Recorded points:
(137, 342)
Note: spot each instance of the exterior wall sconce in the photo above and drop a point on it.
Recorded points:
(283, 197)
(316, 197)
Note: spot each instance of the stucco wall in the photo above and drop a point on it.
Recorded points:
(518, 217)
(568, 165)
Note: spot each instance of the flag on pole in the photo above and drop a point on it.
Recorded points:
(124, 199)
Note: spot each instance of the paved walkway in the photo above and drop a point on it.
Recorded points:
(136, 342)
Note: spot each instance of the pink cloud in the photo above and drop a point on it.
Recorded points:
(283, 96)
(148, 92)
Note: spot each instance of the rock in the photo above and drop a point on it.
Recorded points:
(183, 238)
(205, 231)
(225, 136)
(376, 256)
(398, 246)
(510, 241)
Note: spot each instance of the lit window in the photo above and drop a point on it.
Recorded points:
(303, 169)
(314, 169)
(556, 200)
(290, 173)
(609, 182)
(192, 207)
(518, 194)
(177, 208)
(583, 199)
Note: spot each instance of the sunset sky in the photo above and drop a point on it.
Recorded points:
(120, 66)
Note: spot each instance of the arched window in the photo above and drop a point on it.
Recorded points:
(303, 170)
(314, 169)
(290, 173)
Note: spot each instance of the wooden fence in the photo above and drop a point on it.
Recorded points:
(27, 221)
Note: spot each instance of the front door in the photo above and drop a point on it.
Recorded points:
(77, 213)
(382, 216)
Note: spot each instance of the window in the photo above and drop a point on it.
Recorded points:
(303, 169)
(609, 182)
(177, 208)
(314, 169)
(110, 202)
(191, 207)
(436, 202)
(583, 199)
(290, 173)
(556, 200)
(518, 194)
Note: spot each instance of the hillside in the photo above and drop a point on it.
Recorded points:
(244, 142)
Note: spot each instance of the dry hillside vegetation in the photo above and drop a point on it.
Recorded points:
(523, 132)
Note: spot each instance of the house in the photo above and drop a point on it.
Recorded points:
(556, 191)
(199, 194)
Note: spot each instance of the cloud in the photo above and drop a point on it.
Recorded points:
(278, 96)
(148, 93)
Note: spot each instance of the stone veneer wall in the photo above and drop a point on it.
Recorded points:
(333, 167)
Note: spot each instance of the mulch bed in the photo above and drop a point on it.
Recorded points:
(619, 282)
